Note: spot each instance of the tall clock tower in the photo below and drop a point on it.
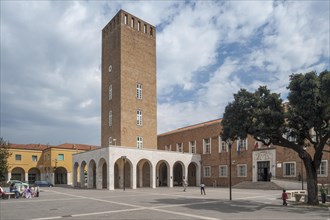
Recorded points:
(129, 96)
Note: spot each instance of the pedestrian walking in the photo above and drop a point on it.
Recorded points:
(185, 184)
(284, 197)
(203, 189)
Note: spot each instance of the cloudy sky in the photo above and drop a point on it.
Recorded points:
(206, 52)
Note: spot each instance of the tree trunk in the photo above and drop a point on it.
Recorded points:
(312, 188)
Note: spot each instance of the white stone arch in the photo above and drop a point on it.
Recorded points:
(123, 172)
(179, 173)
(91, 179)
(144, 171)
(75, 176)
(163, 173)
(102, 174)
(83, 171)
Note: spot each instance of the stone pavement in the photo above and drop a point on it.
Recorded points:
(160, 203)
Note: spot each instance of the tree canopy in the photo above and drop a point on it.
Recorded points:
(4, 154)
(301, 122)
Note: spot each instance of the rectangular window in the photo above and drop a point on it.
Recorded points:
(139, 25)
(18, 157)
(110, 118)
(110, 141)
(151, 31)
(60, 157)
(125, 19)
(242, 145)
(241, 170)
(179, 147)
(110, 92)
(289, 169)
(223, 147)
(139, 142)
(168, 147)
(192, 147)
(139, 91)
(132, 23)
(139, 117)
(145, 28)
(207, 146)
(207, 171)
(323, 170)
(34, 158)
(223, 171)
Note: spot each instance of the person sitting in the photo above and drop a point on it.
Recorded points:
(13, 189)
(28, 193)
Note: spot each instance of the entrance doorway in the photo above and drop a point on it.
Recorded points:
(263, 170)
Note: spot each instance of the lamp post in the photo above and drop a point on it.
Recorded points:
(229, 143)
(302, 173)
(124, 158)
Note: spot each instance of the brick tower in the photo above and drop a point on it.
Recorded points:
(129, 96)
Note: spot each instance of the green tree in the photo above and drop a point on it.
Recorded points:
(300, 123)
(4, 154)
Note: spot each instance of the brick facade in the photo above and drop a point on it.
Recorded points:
(254, 157)
(129, 47)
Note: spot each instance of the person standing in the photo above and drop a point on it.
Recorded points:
(203, 189)
(323, 192)
(284, 197)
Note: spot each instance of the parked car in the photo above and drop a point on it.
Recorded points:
(43, 183)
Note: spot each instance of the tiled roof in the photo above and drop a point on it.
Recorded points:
(190, 127)
(43, 147)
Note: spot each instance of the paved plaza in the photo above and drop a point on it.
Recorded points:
(160, 203)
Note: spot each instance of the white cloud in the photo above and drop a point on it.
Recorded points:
(206, 51)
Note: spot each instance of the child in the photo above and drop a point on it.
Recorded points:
(284, 197)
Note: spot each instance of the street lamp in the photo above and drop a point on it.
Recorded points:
(229, 143)
(124, 158)
(302, 173)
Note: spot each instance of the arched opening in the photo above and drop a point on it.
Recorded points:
(61, 175)
(177, 174)
(192, 177)
(102, 173)
(123, 173)
(91, 174)
(33, 175)
(163, 173)
(83, 175)
(18, 174)
(117, 176)
(75, 176)
(143, 171)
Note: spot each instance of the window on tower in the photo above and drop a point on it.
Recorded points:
(139, 117)
(132, 22)
(110, 118)
(139, 26)
(110, 92)
(139, 142)
(139, 91)
(125, 19)
(145, 29)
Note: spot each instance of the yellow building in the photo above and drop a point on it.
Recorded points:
(31, 162)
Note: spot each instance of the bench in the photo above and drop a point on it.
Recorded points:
(8, 195)
(291, 193)
(298, 196)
